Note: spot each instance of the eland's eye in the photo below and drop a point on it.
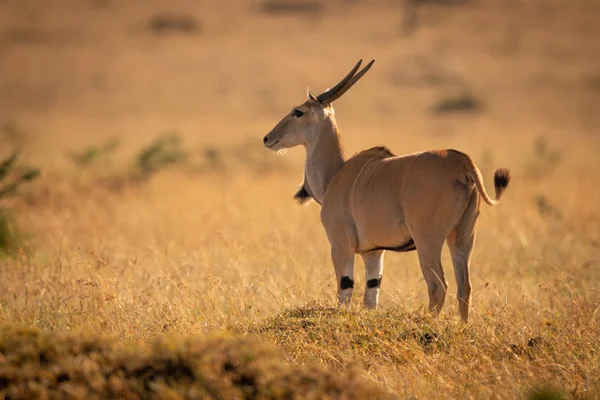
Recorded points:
(297, 113)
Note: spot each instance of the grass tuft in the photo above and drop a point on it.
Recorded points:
(9, 238)
(545, 393)
(496, 353)
(48, 365)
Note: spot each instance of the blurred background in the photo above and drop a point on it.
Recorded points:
(75, 71)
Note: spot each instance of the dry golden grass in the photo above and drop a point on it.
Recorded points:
(206, 246)
(55, 366)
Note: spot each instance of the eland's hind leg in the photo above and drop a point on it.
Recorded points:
(460, 242)
(437, 206)
(373, 271)
(430, 258)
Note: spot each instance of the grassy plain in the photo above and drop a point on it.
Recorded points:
(214, 242)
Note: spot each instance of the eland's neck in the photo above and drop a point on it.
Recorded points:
(324, 158)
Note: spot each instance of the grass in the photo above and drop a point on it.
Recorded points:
(11, 178)
(38, 365)
(485, 358)
(211, 258)
(135, 270)
(8, 237)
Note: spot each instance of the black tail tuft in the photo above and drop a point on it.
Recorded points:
(302, 195)
(501, 180)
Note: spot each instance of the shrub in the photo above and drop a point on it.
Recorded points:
(17, 176)
(11, 178)
(165, 23)
(292, 6)
(464, 102)
(9, 239)
(164, 151)
(91, 154)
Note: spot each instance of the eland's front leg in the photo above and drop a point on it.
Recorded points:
(343, 262)
(373, 271)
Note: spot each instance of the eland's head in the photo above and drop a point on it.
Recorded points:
(301, 125)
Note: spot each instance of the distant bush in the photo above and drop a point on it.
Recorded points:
(11, 178)
(593, 82)
(411, 8)
(91, 154)
(464, 102)
(545, 208)
(169, 150)
(544, 161)
(11, 133)
(164, 151)
(165, 23)
(247, 154)
(441, 2)
(292, 6)
(9, 237)
(48, 365)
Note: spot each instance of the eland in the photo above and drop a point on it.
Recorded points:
(376, 201)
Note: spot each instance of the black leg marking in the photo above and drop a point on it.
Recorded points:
(346, 283)
(374, 283)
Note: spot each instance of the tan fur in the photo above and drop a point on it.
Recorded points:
(376, 201)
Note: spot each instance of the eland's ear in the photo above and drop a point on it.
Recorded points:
(310, 97)
(314, 103)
